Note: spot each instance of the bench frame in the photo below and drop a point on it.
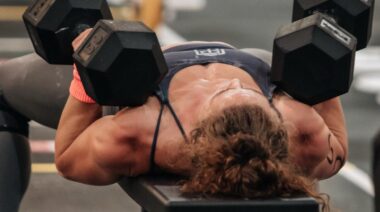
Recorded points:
(161, 194)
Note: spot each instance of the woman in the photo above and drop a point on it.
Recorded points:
(216, 118)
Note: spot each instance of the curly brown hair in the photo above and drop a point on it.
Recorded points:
(243, 152)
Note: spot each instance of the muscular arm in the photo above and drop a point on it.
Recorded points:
(99, 150)
(83, 149)
(90, 148)
(336, 136)
(318, 136)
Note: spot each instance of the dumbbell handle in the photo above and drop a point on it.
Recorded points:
(70, 34)
(328, 13)
(78, 29)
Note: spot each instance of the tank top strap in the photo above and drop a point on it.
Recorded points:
(152, 166)
(178, 122)
(164, 101)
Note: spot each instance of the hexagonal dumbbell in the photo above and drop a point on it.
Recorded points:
(120, 63)
(355, 16)
(53, 24)
(313, 58)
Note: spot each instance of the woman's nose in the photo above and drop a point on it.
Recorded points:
(235, 83)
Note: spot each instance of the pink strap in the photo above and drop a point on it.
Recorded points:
(77, 89)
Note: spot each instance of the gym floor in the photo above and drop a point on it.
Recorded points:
(241, 23)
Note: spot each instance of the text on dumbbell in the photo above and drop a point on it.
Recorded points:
(336, 32)
(40, 8)
(96, 40)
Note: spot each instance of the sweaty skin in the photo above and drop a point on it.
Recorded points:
(319, 136)
(100, 150)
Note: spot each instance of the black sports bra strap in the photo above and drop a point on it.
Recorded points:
(177, 121)
(155, 138)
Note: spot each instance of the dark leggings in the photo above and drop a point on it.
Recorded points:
(35, 89)
(376, 171)
(38, 91)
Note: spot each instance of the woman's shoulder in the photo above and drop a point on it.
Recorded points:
(298, 115)
(131, 139)
(139, 120)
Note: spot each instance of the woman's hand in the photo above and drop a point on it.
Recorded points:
(81, 37)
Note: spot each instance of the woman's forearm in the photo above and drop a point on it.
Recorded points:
(76, 117)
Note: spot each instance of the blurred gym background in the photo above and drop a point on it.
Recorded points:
(241, 23)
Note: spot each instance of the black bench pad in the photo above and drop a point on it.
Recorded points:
(161, 194)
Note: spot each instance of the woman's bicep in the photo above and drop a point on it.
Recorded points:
(331, 111)
(333, 151)
(320, 138)
(332, 114)
(92, 156)
(328, 143)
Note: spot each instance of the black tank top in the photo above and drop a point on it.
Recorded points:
(180, 57)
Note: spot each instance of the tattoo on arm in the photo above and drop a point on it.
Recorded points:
(333, 159)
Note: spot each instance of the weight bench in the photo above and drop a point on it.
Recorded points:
(161, 194)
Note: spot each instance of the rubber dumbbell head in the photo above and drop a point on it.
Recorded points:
(313, 59)
(53, 25)
(355, 16)
(120, 63)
